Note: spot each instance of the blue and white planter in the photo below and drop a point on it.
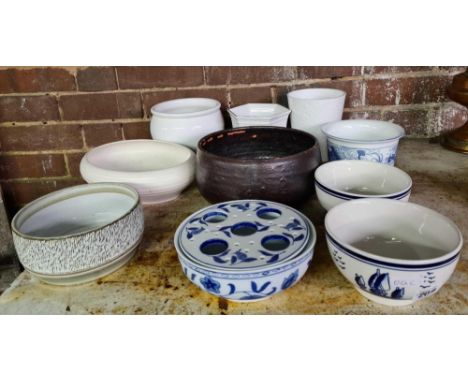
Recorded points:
(389, 282)
(245, 250)
(248, 286)
(369, 140)
(374, 153)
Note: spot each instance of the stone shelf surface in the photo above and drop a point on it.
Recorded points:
(153, 282)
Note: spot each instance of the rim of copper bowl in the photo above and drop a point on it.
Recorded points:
(238, 130)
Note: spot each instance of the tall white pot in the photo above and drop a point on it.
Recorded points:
(311, 108)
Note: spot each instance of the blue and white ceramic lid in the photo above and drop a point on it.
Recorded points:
(243, 234)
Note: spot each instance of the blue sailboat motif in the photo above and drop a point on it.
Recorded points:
(379, 283)
(360, 281)
(398, 293)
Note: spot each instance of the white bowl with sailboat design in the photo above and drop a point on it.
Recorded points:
(394, 253)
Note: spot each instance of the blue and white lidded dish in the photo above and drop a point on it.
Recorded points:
(245, 249)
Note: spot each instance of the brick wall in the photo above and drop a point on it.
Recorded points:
(49, 117)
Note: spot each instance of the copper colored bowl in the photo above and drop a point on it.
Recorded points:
(271, 163)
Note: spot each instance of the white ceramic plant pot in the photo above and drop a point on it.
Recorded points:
(363, 139)
(186, 120)
(340, 181)
(311, 108)
(158, 170)
(394, 253)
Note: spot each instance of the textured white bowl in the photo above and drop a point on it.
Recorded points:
(159, 170)
(259, 114)
(394, 253)
(78, 233)
(186, 120)
(311, 108)
(344, 180)
(363, 139)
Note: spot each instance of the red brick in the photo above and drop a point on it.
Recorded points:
(96, 78)
(19, 80)
(89, 106)
(352, 89)
(137, 130)
(218, 75)
(101, 133)
(453, 69)
(140, 77)
(22, 192)
(40, 137)
(250, 95)
(403, 91)
(28, 108)
(129, 105)
(32, 166)
(415, 122)
(451, 116)
(395, 69)
(311, 72)
(74, 160)
(152, 98)
(371, 114)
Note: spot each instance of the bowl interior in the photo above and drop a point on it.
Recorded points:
(363, 130)
(74, 211)
(393, 229)
(362, 178)
(257, 143)
(138, 156)
(259, 111)
(185, 106)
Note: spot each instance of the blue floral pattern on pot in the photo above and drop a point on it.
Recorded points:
(290, 280)
(210, 285)
(386, 155)
(251, 287)
(243, 234)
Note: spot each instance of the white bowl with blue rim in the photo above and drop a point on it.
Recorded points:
(394, 253)
(363, 139)
(245, 250)
(340, 181)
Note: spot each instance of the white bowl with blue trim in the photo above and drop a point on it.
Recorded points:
(394, 253)
(340, 181)
(363, 139)
(245, 250)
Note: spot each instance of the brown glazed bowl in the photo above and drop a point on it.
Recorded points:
(271, 163)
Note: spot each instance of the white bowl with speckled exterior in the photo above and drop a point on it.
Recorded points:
(158, 170)
(79, 233)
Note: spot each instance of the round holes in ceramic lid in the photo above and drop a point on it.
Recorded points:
(243, 234)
